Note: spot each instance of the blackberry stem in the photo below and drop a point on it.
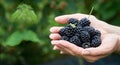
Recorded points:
(73, 25)
(90, 12)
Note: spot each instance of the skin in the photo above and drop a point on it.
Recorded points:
(110, 39)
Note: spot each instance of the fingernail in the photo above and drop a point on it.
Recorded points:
(54, 48)
(55, 42)
(51, 29)
(61, 18)
(86, 52)
(61, 52)
(56, 18)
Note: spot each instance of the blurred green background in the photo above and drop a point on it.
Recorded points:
(24, 26)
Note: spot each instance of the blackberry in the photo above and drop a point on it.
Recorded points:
(65, 38)
(78, 29)
(86, 45)
(89, 29)
(73, 21)
(84, 36)
(84, 22)
(62, 32)
(97, 32)
(96, 41)
(67, 31)
(75, 40)
(95, 37)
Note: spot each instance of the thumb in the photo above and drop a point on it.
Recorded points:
(64, 18)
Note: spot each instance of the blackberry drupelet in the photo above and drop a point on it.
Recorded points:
(77, 34)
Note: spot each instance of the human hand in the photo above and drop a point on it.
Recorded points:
(108, 46)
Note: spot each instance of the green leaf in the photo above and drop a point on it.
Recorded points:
(30, 36)
(14, 39)
(17, 37)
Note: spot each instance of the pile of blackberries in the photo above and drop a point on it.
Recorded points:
(80, 33)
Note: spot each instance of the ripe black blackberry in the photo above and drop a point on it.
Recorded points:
(62, 32)
(65, 38)
(67, 31)
(73, 21)
(84, 22)
(75, 40)
(96, 41)
(86, 44)
(89, 29)
(78, 29)
(97, 32)
(84, 36)
(95, 37)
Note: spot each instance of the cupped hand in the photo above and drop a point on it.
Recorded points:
(108, 46)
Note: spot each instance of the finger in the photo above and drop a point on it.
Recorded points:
(59, 48)
(66, 50)
(107, 47)
(56, 48)
(64, 18)
(69, 47)
(55, 43)
(55, 36)
(63, 52)
(55, 29)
